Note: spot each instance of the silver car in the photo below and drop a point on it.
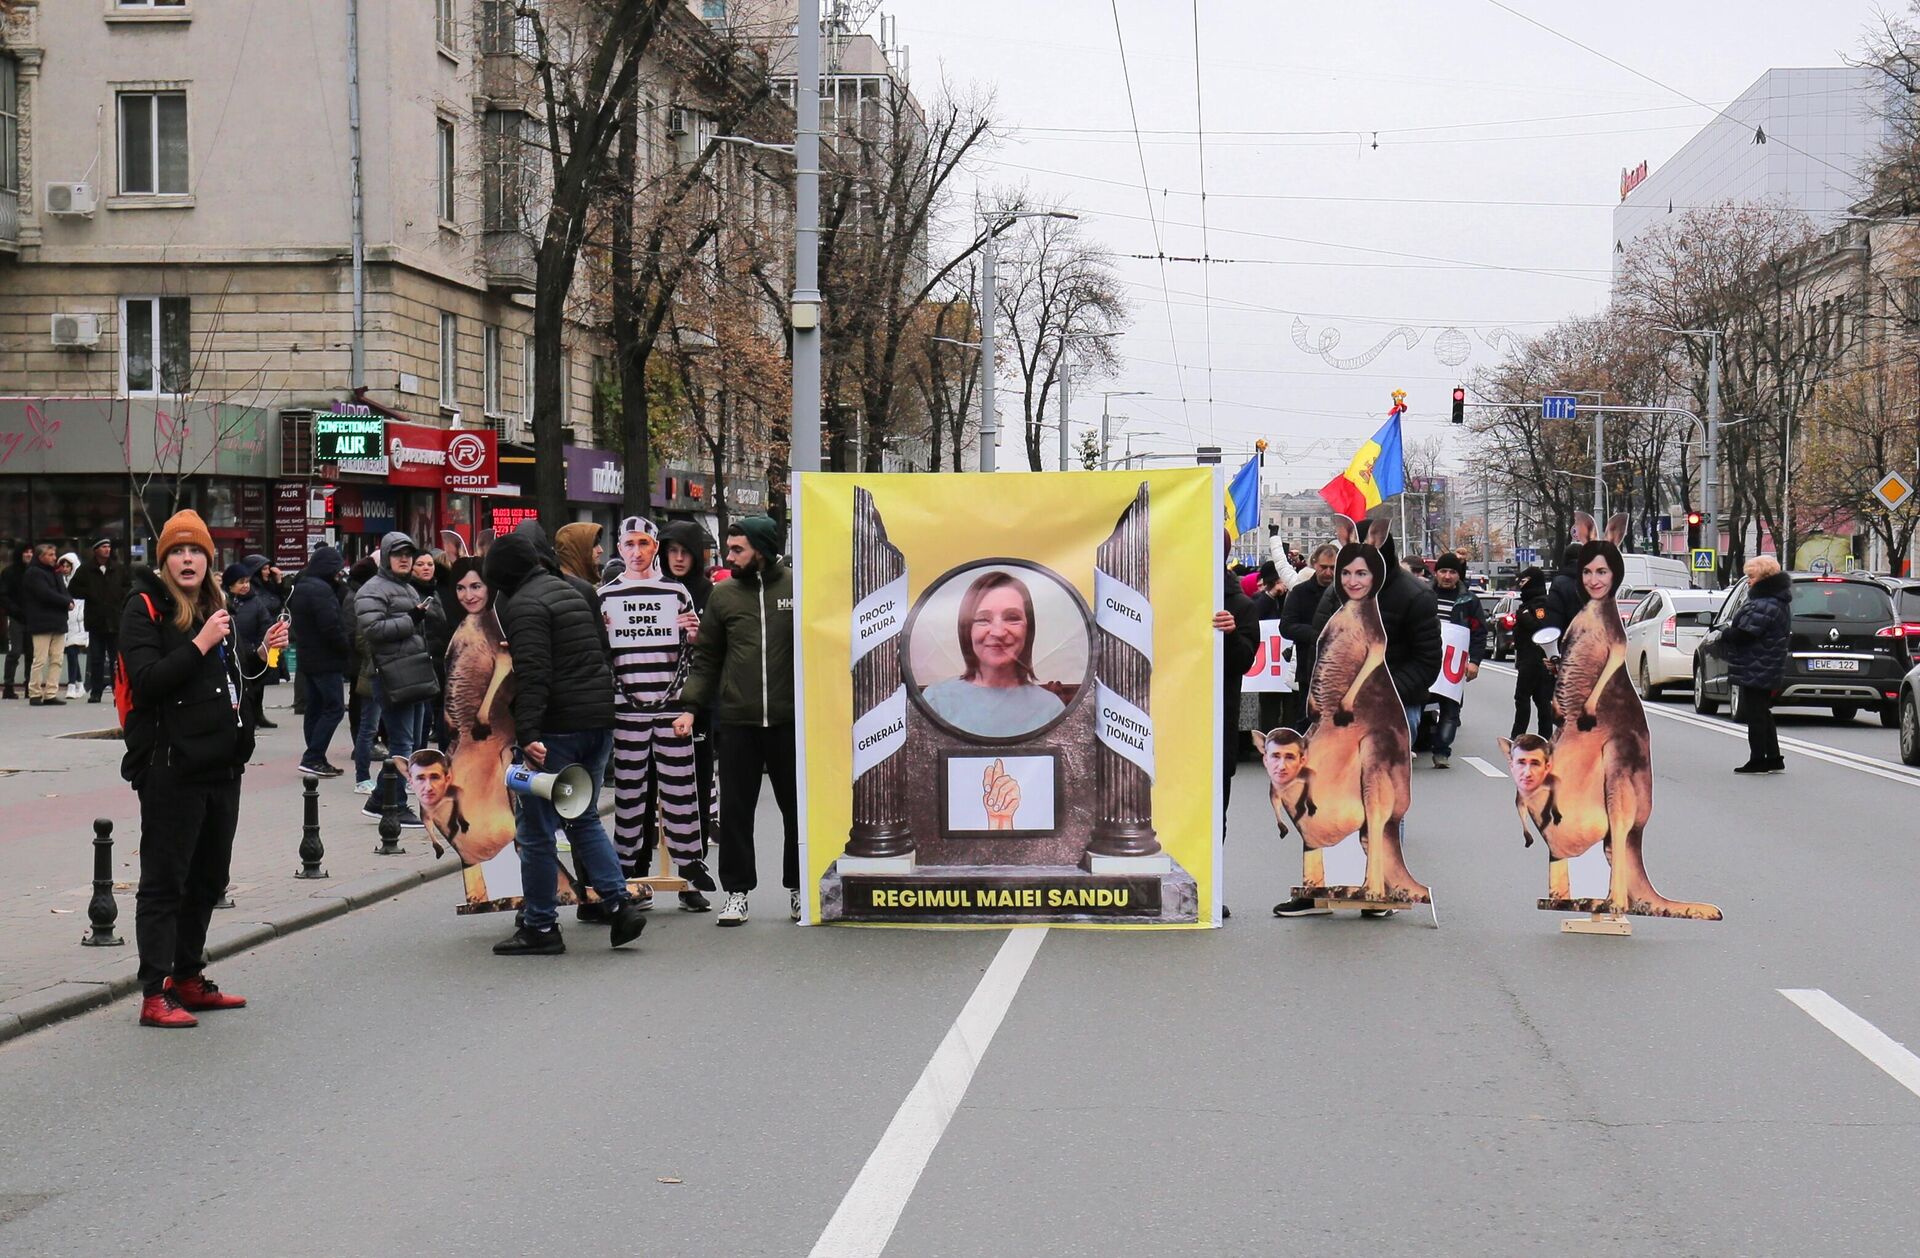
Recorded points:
(1662, 632)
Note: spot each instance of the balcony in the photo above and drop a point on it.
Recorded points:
(10, 222)
(507, 80)
(508, 256)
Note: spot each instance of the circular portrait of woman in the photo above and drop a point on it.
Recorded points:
(997, 650)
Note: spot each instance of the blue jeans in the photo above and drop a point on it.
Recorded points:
(363, 737)
(326, 705)
(1413, 719)
(1447, 727)
(593, 852)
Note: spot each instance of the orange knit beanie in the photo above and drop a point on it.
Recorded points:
(184, 528)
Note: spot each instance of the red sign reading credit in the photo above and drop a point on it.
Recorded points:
(1631, 179)
(441, 458)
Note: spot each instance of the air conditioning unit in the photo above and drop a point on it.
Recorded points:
(70, 198)
(678, 123)
(76, 331)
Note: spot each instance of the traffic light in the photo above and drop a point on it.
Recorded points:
(1694, 520)
(1459, 405)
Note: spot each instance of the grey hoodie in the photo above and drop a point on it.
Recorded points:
(385, 610)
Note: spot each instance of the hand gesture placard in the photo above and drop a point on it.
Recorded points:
(1002, 795)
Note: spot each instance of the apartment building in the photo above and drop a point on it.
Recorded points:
(178, 276)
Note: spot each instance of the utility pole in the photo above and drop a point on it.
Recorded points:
(1599, 485)
(804, 428)
(1709, 492)
(1066, 384)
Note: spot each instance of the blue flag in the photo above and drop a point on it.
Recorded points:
(1243, 497)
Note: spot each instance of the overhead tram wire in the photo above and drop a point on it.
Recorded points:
(1146, 191)
(1206, 273)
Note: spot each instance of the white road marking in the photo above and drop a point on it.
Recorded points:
(865, 1220)
(1483, 766)
(1865, 1038)
(1830, 755)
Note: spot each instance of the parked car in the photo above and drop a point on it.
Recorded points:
(1908, 714)
(1906, 605)
(1504, 611)
(1846, 651)
(1662, 634)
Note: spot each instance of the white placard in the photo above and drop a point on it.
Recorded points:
(1123, 612)
(642, 621)
(1273, 664)
(1124, 728)
(1455, 641)
(966, 792)
(880, 732)
(879, 617)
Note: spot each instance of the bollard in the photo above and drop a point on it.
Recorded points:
(102, 910)
(311, 849)
(390, 804)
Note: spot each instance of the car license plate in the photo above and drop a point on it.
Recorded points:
(1834, 666)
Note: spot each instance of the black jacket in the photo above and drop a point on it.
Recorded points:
(43, 600)
(1296, 625)
(1528, 619)
(10, 579)
(320, 630)
(104, 590)
(1412, 622)
(563, 683)
(1466, 610)
(253, 615)
(187, 718)
(1564, 597)
(1237, 652)
(1755, 644)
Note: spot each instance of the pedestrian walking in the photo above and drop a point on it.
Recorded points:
(1296, 625)
(562, 715)
(1755, 648)
(325, 643)
(19, 641)
(393, 616)
(101, 583)
(76, 628)
(43, 607)
(742, 669)
(1454, 603)
(188, 737)
(1533, 687)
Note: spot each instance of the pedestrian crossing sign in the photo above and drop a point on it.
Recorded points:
(1704, 559)
(1893, 490)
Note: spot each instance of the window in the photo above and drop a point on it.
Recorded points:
(446, 169)
(443, 22)
(1847, 602)
(504, 30)
(507, 178)
(490, 353)
(150, 4)
(9, 124)
(449, 329)
(155, 352)
(153, 143)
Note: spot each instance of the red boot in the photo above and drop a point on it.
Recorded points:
(199, 994)
(165, 1011)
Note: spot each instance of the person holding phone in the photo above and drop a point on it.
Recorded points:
(188, 738)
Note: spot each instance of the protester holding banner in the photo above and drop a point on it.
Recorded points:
(654, 786)
(1296, 625)
(563, 715)
(1456, 606)
(1241, 624)
(742, 668)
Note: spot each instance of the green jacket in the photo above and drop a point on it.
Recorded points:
(743, 662)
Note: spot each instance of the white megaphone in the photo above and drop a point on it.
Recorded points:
(570, 791)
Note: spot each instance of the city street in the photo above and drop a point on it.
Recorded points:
(1277, 1086)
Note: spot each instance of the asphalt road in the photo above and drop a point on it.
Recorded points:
(1275, 1087)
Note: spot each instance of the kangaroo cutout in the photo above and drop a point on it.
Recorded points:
(1599, 784)
(1351, 770)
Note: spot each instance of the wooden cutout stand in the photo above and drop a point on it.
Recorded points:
(1598, 924)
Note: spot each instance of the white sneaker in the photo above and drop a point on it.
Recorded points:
(734, 911)
(73, 690)
(793, 906)
(363, 787)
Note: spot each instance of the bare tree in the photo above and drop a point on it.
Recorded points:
(1061, 294)
(945, 373)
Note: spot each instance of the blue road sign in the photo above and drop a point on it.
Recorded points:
(1558, 406)
(1705, 560)
(1525, 555)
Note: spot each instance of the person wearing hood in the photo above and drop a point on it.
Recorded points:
(392, 617)
(742, 669)
(44, 606)
(188, 737)
(563, 714)
(1533, 688)
(102, 585)
(549, 555)
(1755, 646)
(654, 782)
(321, 635)
(254, 610)
(76, 626)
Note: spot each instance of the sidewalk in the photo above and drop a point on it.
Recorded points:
(52, 788)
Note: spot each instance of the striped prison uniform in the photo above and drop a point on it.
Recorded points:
(654, 788)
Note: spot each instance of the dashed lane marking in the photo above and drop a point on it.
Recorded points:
(1483, 766)
(865, 1220)
(1865, 1038)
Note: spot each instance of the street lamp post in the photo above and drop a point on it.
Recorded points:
(1106, 419)
(989, 255)
(1710, 472)
(803, 431)
(1066, 384)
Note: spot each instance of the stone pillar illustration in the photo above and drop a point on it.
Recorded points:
(1123, 838)
(881, 840)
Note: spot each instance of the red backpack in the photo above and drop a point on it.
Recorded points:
(122, 688)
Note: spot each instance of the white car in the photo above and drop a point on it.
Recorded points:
(1662, 632)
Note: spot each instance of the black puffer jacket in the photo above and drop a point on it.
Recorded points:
(43, 600)
(1296, 623)
(1755, 644)
(187, 718)
(564, 684)
(1411, 619)
(320, 629)
(104, 591)
(1529, 617)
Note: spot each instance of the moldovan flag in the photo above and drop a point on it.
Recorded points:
(1243, 499)
(1377, 472)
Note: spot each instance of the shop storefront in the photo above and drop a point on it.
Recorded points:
(421, 480)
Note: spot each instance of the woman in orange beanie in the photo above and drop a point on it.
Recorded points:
(188, 737)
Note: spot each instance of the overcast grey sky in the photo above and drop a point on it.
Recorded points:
(1478, 114)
